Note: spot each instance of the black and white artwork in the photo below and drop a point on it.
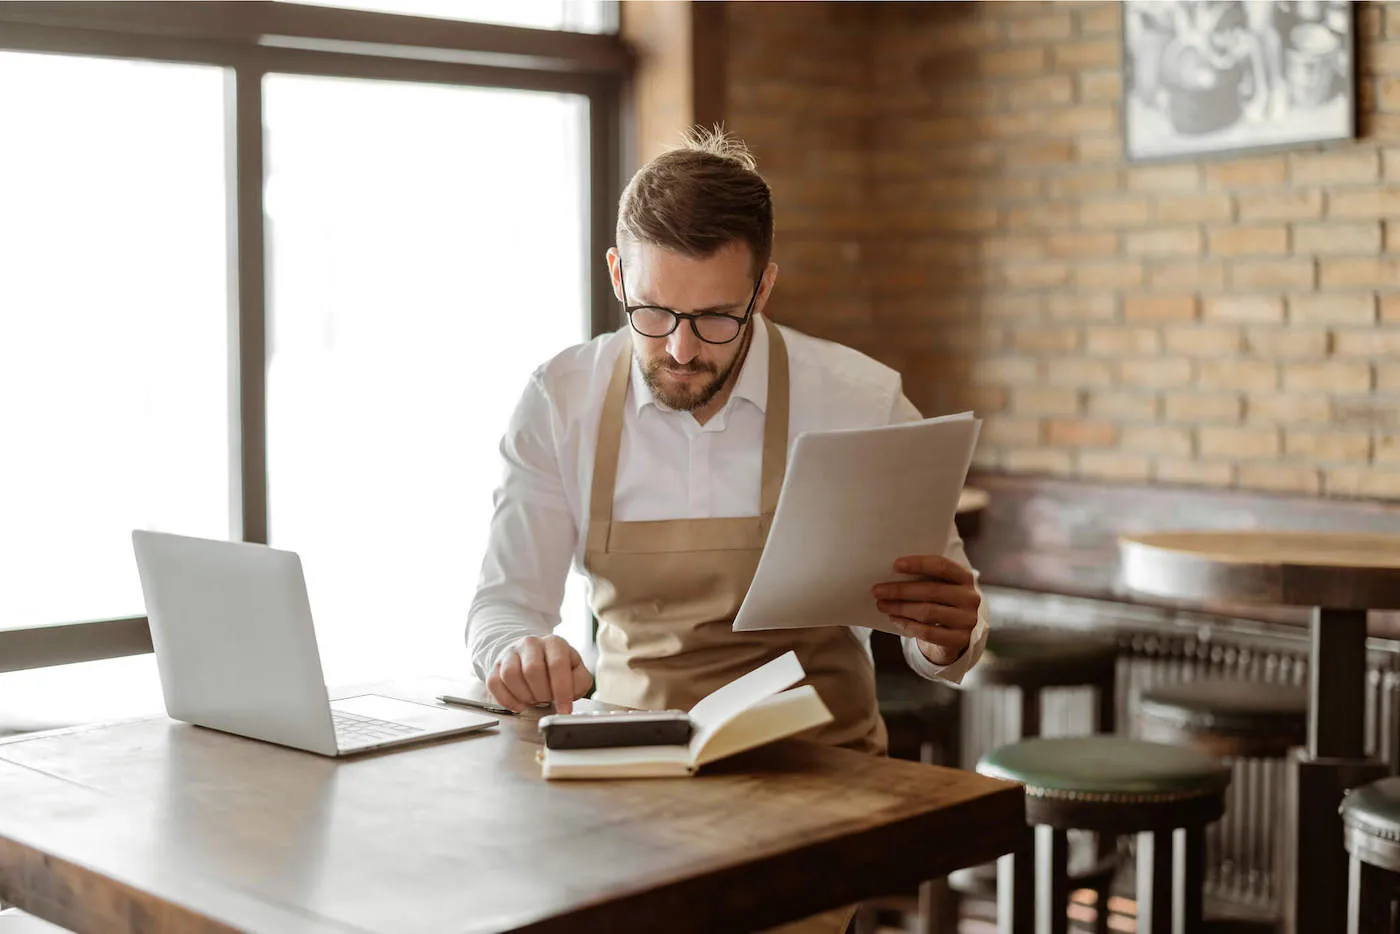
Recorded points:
(1212, 76)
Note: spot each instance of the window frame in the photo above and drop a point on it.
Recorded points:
(252, 40)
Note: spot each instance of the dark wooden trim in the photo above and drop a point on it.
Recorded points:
(709, 52)
(45, 646)
(605, 183)
(251, 23)
(248, 352)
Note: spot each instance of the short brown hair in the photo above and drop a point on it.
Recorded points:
(700, 196)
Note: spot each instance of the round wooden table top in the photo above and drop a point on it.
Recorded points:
(972, 499)
(1337, 570)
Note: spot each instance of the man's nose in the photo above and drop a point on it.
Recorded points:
(682, 344)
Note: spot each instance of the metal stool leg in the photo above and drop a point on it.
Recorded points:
(1016, 888)
(1368, 899)
(1189, 870)
(1051, 880)
(1154, 882)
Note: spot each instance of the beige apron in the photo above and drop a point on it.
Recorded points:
(666, 592)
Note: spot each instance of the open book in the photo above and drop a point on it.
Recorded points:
(757, 708)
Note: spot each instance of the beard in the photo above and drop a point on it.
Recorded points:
(696, 392)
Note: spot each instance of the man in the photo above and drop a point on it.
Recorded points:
(652, 457)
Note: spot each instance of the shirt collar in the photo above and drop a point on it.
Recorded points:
(752, 383)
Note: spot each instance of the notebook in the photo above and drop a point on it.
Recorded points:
(757, 708)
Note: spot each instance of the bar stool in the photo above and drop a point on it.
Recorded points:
(1371, 832)
(1226, 718)
(1115, 785)
(1033, 659)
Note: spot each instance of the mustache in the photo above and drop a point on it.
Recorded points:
(673, 367)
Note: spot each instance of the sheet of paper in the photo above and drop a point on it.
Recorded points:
(852, 502)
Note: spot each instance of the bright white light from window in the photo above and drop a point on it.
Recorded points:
(570, 15)
(426, 253)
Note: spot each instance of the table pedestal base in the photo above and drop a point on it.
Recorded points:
(1314, 864)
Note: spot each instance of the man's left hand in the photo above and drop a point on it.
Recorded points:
(939, 609)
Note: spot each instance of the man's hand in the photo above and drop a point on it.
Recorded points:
(939, 609)
(537, 671)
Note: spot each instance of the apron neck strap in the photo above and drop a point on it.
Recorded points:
(775, 434)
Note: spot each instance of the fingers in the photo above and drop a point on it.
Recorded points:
(936, 567)
(535, 670)
(559, 656)
(503, 695)
(925, 591)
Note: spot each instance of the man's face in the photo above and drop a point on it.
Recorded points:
(682, 371)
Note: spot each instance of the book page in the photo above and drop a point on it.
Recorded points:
(778, 717)
(853, 501)
(617, 762)
(719, 707)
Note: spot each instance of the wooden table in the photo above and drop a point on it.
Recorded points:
(1340, 576)
(157, 826)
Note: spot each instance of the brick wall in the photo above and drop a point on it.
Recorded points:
(952, 199)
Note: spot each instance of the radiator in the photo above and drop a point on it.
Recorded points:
(1161, 647)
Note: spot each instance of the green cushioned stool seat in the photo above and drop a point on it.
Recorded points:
(1106, 768)
(1227, 718)
(1117, 785)
(1371, 831)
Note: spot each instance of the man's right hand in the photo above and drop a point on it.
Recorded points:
(538, 671)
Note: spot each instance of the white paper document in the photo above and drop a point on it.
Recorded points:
(853, 501)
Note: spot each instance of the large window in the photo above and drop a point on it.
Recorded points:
(285, 287)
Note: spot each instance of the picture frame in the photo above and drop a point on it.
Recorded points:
(1216, 77)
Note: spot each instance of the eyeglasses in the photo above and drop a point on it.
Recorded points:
(711, 327)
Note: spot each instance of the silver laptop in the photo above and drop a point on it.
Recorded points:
(236, 649)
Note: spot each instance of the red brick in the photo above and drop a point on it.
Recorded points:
(1273, 274)
(1114, 212)
(1158, 374)
(1002, 307)
(1194, 473)
(1328, 239)
(1037, 92)
(1160, 307)
(1237, 442)
(1187, 209)
(1043, 400)
(1082, 183)
(1392, 161)
(1010, 247)
(1100, 86)
(1099, 18)
(1109, 465)
(1371, 201)
(1115, 341)
(1078, 56)
(1077, 371)
(1245, 308)
(1006, 63)
(1108, 275)
(1381, 58)
(1332, 309)
(1202, 342)
(1291, 343)
(1248, 241)
(1333, 376)
(1054, 25)
(1158, 439)
(1300, 204)
(1010, 370)
(1121, 405)
(1198, 274)
(1195, 408)
(1376, 272)
(1098, 149)
(1172, 241)
(1280, 478)
(1080, 433)
(1036, 275)
(1261, 172)
(1390, 309)
(1327, 445)
(1043, 215)
(1245, 375)
(1355, 163)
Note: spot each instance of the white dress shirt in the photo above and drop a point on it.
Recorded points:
(669, 467)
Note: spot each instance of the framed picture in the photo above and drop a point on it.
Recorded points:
(1220, 76)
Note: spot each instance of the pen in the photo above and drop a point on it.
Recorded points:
(488, 706)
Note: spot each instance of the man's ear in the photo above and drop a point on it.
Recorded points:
(614, 260)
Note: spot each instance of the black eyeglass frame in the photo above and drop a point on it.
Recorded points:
(692, 317)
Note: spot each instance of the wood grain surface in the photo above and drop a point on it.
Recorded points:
(155, 826)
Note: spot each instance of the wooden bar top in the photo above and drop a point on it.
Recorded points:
(153, 825)
(1337, 570)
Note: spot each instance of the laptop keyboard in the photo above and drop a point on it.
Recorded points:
(352, 730)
